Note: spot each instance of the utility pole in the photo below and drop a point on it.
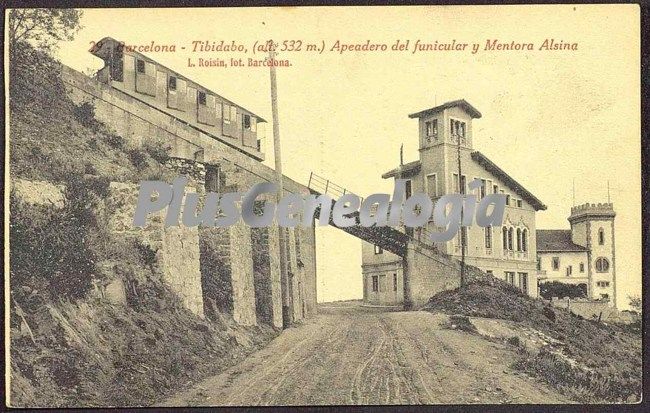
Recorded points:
(461, 189)
(287, 314)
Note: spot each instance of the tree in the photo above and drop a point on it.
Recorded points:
(635, 302)
(43, 27)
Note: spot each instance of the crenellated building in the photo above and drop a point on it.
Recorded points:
(584, 254)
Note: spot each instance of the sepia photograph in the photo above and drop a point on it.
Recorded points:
(323, 206)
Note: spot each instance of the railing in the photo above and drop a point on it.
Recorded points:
(322, 185)
(326, 187)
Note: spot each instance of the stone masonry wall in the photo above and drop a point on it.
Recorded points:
(138, 123)
(177, 248)
(430, 272)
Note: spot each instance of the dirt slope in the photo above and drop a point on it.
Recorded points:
(592, 361)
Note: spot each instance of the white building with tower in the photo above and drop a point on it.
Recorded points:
(584, 254)
(516, 251)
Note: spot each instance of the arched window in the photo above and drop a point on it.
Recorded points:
(601, 237)
(510, 238)
(602, 264)
(524, 240)
(504, 233)
(518, 239)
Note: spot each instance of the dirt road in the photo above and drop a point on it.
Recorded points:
(353, 355)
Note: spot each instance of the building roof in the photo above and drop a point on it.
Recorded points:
(556, 240)
(508, 180)
(408, 168)
(413, 168)
(96, 50)
(474, 113)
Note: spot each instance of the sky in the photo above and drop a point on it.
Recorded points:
(549, 117)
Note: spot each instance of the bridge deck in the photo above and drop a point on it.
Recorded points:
(388, 238)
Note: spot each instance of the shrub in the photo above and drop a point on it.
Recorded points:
(558, 289)
(138, 158)
(584, 385)
(85, 114)
(158, 150)
(514, 341)
(115, 141)
(55, 251)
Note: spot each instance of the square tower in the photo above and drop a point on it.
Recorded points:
(592, 226)
(447, 123)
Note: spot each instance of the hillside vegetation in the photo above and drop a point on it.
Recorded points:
(596, 362)
(69, 347)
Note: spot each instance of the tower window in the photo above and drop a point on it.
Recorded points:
(172, 83)
(518, 239)
(394, 281)
(378, 250)
(432, 185)
(431, 128)
(407, 189)
(569, 270)
(510, 233)
(458, 128)
(602, 264)
(375, 283)
(601, 237)
(461, 186)
(582, 267)
(139, 65)
(504, 233)
(556, 263)
(202, 98)
(247, 122)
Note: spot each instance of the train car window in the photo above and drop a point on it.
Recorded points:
(172, 83)
(202, 98)
(226, 113)
(140, 65)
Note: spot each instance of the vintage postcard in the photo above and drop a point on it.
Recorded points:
(332, 206)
